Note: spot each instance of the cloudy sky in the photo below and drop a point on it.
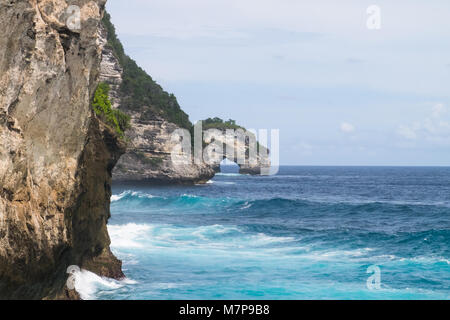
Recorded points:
(340, 93)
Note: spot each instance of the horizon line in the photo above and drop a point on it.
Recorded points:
(345, 165)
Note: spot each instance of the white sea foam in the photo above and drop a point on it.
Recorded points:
(225, 182)
(117, 197)
(88, 284)
(128, 235)
(205, 184)
(218, 237)
(246, 205)
(426, 260)
(167, 237)
(167, 285)
(262, 239)
(186, 195)
(317, 254)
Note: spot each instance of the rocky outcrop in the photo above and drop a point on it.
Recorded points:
(56, 158)
(240, 147)
(110, 69)
(148, 155)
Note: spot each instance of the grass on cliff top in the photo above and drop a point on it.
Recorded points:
(139, 91)
(118, 120)
(217, 123)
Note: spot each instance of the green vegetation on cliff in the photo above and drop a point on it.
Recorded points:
(217, 123)
(140, 92)
(118, 120)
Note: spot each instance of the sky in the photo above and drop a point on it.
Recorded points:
(339, 92)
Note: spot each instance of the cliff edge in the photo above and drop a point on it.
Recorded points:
(56, 157)
(155, 115)
(237, 144)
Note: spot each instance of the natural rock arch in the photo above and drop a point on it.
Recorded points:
(254, 166)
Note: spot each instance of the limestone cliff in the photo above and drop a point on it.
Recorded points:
(148, 157)
(238, 145)
(155, 115)
(56, 158)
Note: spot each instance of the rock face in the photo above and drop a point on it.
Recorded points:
(148, 155)
(110, 69)
(56, 158)
(148, 158)
(240, 147)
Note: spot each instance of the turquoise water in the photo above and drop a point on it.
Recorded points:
(307, 233)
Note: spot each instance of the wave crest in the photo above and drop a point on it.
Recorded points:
(88, 284)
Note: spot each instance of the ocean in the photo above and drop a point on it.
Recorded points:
(306, 233)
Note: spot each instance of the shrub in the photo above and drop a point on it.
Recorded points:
(118, 120)
(217, 123)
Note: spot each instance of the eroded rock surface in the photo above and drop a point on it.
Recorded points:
(56, 158)
(240, 146)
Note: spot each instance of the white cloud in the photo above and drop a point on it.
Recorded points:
(347, 127)
(439, 110)
(407, 132)
(434, 128)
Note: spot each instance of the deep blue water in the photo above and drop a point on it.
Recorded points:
(306, 233)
